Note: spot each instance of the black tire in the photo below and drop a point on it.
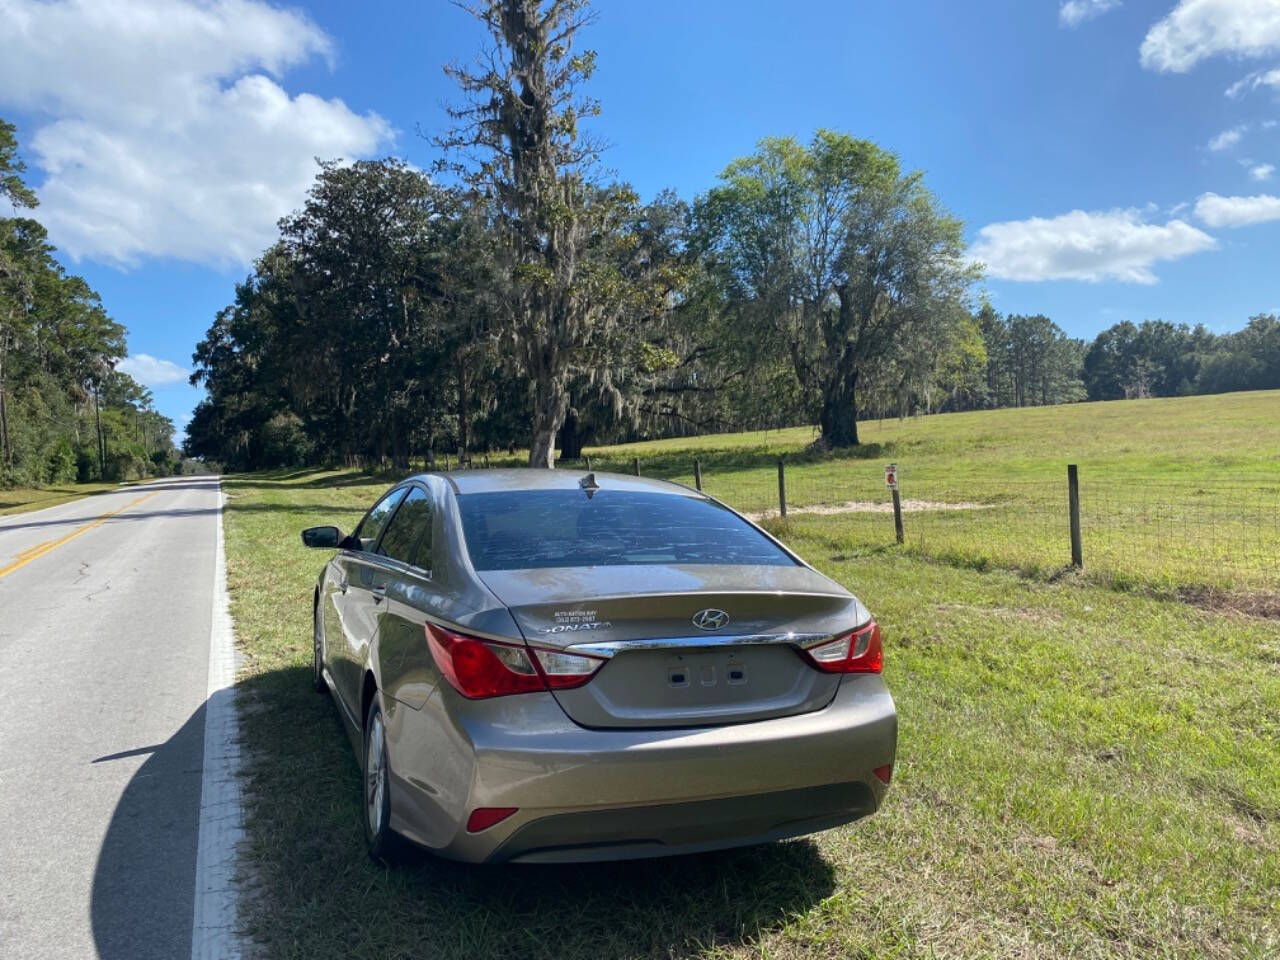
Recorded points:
(382, 842)
(317, 655)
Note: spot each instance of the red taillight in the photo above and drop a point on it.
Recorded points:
(482, 668)
(491, 668)
(858, 651)
(884, 774)
(482, 818)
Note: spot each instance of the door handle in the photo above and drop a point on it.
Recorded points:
(379, 593)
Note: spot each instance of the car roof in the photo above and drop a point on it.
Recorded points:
(506, 480)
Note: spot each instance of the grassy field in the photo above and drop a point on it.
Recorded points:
(1182, 439)
(1083, 772)
(23, 499)
(1176, 494)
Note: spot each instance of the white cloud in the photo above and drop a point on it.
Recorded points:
(1262, 171)
(1198, 29)
(152, 371)
(167, 133)
(1259, 78)
(1072, 13)
(1216, 211)
(1228, 138)
(1105, 245)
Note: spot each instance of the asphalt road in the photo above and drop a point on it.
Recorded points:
(105, 610)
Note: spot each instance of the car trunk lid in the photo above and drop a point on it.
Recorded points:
(691, 645)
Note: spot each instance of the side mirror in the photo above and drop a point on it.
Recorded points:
(322, 538)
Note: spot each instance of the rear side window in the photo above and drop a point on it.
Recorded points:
(408, 536)
(517, 530)
(376, 519)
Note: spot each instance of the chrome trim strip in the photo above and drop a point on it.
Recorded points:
(609, 648)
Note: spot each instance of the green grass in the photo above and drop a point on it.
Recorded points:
(1082, 772)
(24, 499)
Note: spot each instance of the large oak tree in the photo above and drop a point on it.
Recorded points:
(840, 258)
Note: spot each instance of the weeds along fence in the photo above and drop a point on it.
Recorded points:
(1132, 533)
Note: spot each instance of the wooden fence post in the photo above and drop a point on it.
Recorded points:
(635, 465)
(697, 474)
(588, 459)
(891, 480)
(782, 489)
(1073, 505)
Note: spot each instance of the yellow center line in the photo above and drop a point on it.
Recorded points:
(40, 549)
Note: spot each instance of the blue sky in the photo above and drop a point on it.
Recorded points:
(1110, 160)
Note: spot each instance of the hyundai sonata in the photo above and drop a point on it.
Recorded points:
(544, 666)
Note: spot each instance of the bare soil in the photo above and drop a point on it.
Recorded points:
(867, 506)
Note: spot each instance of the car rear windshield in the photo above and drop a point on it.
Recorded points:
(528, 529)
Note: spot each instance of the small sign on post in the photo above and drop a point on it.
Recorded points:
(891, 481)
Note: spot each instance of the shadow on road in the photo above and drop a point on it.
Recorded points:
(144, 880)
(319, 479)
(10, 521)
(132, 516)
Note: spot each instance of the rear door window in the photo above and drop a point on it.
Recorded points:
(371, 526)
(518, 530)
(408, 535)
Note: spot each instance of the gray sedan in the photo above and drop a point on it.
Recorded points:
(549, 666)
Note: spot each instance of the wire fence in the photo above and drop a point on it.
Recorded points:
(1163, 533)
(1184, 533)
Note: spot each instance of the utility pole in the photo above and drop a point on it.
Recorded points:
(102, 446)
(4, 426)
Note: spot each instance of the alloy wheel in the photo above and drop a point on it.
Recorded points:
(375, 773)
(317, 665)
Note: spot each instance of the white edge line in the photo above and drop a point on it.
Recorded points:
(214, 930)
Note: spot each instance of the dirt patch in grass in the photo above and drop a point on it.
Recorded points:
(1248, 831)
(1263, 605)
(869, 506)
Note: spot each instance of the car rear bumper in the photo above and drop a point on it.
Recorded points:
(665, 829)
(613, 794)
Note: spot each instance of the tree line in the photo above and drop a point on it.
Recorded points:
(517, 296)
(66, 413)
(514, 296)
(1159, 359)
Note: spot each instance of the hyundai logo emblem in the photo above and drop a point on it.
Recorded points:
(710, 619)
